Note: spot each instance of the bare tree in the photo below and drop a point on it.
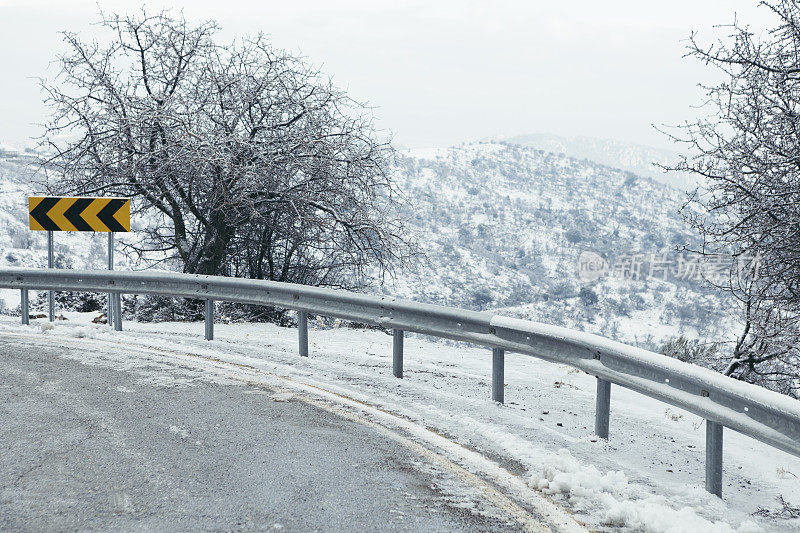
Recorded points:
(244, 160)
(766, 351)
(746, 146)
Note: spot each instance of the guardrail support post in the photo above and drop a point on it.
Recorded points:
(397, 353)
(24, 307)
(110, 310)
(117, 312)
(714, 458)
(302, 332)
(602, 408)
(209, 320)
(498, 374)
(51, 296)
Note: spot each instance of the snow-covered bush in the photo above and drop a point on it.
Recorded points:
(154, 308)
(689, 350)
(83, 302)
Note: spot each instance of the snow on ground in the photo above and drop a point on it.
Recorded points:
(648, 477)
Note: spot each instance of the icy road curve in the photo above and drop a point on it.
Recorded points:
(457, 459)
(170, 440)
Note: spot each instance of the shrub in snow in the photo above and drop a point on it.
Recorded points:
(83, 302)
(574, 236)
(588, 296)
(481, 298)
(255, 313)
(154, 308)
(689, 350)
(563, 289)
(785, 510)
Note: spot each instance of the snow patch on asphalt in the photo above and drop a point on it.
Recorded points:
(282, 396)
(181, 431)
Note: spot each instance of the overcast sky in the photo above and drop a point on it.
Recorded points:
(438, 72)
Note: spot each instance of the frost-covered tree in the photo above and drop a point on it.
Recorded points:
(746, 146)
(243, 159)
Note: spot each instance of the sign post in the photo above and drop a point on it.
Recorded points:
(110, 304)
(57, 213)
(51, 300)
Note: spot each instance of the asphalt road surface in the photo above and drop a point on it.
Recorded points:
(89, 448)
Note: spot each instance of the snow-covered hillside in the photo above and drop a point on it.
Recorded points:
(503, 225)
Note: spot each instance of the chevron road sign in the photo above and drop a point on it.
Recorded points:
(56, 213)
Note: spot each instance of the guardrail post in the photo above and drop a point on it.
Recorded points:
(602, 408)
(714, 458)
(397, 353)
(110, 309)
(24, 307)
(209, 320)
(498, 374)
(117, 312)
(302, 332)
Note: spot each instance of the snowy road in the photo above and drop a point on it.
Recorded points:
(201, 446)
(509, 464)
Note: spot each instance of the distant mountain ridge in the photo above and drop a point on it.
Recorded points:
(18, 165)
(636, 158)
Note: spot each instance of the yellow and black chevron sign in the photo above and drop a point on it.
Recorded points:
(57, 213)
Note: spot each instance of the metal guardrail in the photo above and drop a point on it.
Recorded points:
(722, 401)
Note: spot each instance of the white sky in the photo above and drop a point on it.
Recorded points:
(438, 72)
